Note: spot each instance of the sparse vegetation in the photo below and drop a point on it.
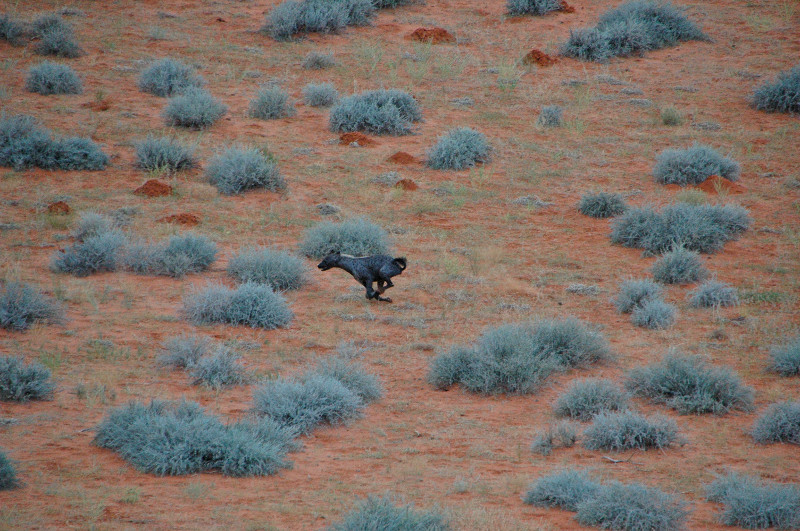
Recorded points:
(356, 236)
(551, 116)
(8, 476)
(194, 108)
(250, 304)
(679, 266)
(221, 369)
(654, 314)
(713, 294)
(602, 205)
(781, 95)
(293, 17)
(585, 398)
(389, 514)
(566, 489)
(318, 61)
(459, 149)
(627, 430)
(189, 253)
(184, 351)
(635, 292)
(320, 94)
(785, 359)
(380, 112)
(693, 166)
(779, 423)
(21, 383)
(53, 78)
(95, 254)
(671, 116)
(517, 8)
(279, 269)
(633, 507)
(559, 435)
(239, 169)
(164, 154)
(752, 503)
(169, 77)
(270, 103)
(55, 37)
(22, 305)
(12, 31)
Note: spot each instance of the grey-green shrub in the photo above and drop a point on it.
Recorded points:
(184, 351)
(169, 77)
(693, 165)
(671, 116)
(250, 304)
(690, 385)
(516, 358)
(238, 169)
(785, 359)
(654, 314)
(292, 17)
(55, 37)
(318, 61)
(92, 255)
(781, 95)
(380, 112)
(355, 236)
(21, 383)
(164, 154)
(779, 423)
(221, 369)
(279, 269)
(632, 507)
(752, 503)
(320, 94)
(551, 116)
(350, 374)
(91, 224)
(679, 266)
(389, 514)
(8, 475)
(627, 430)
(22, 305)
(458, 149)
(517, 8)
(180, 255)
(585, 398)
(634, 293)
(270, 103)
(13, 31)
(565, 490)
(559, 435)
(180, 438)
(602, 205)
(53, 78)
(194, 108)
(713, 294)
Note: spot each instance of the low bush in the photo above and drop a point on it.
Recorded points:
(388, 514)
(221, 369)
(320, 94)
(292, 17)
(189, 253)
(602, 205)
(713, 294)
(91, 224)
(679, 266)
(270, 103)
(21, 383)
(654, 314)
(551, 116)
(781, 95)
(55, 37)
(459, 149)
(627, 430)
(690, 385)
(92, 255)
(671, 116)
(560, 435)
(52, 78)
(318, 61)
(752, 503)
(701, 228)
(355, 236)
(180, 438)
(516, 358)
(8, 476)
(169, 77)
(22, 305)
(779, 423)
(634, 293)
(238, 169)
(632, 507)
(693, 166)
(585, 398)
(279, 269)
(350, 374)
(380, 112)
(184, 351)
(785, 359)
(565, 490)
(13, 31)
(194, 108)
(517, 8)
(250, 304)
(164, 154)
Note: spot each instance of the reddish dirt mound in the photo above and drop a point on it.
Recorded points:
(401, 157)
(432, 35)
(363, 140)
(406, 184)
(716, 184)
(59, 207)
(182, 219)
(154, 188)
(97, 105)
(566, 8)
(538, 58)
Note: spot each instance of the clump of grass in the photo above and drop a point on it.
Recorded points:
(380, 112)
(13, 31)
(635, 292)
(517, 8)
(602, 205)
(713, 294)
(293, 17)
(389, 514)
(320, 94)
(22, 305)
(693, 166)
(318, 61)
(459, 149)
(350, 374)
(8, 476)
(781, 95)
(671, 116)
(356, 236)
(779, 423)
(785, 359)
(688, 384)
(516, 358)
(180, 438)
(164, 154)
(250, 304)
(189, 253)
(566, 489)
(169, 77)
(654, 314)
(194, 108)
(679, 266)
(551, 116)
(184, 351)
(632, 507)
(560, 435)
(21, 383)
(627, 430)
(91, 224)
(279, 269)
(221, 369)
(701, 228)
(238, 169)
(95, 254)
(752, 503)
(585, 398)
(48, 78)
(270, 103)
(55, 37)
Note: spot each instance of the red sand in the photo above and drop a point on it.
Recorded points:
(184, 218)
(363, 140)
(59, 207)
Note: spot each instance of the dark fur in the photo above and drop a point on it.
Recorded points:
(368, 269)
